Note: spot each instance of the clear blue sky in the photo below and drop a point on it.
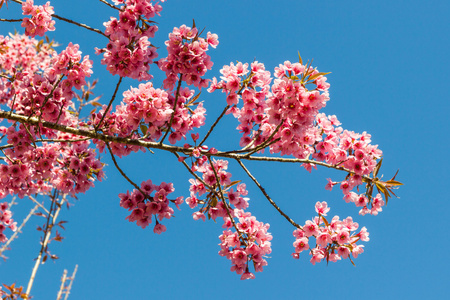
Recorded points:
(390, 73)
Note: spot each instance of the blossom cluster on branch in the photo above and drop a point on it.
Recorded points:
(48, 148)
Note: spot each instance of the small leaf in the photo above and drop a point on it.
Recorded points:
(144, 129)
(213, 202)
(318, 75)
(300, 58)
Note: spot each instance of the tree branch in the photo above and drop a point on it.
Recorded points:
(174, 109)
(267, 196)
(158, 145)
(214, 125)
(109, 104)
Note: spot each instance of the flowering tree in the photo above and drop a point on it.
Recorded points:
(50, 144)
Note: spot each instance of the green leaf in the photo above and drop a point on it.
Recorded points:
(144, 129)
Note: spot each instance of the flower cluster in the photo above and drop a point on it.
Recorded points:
(129, 52)
(41, 18)
(19, 52)
(41, 84)
(253, 87)
(150, 110)
(187, 56)
(5, 221)
(251, 243)
(143, 206)
(334, 240)
(251, 240)
(71, 168)
(281, 116)
(354, 152)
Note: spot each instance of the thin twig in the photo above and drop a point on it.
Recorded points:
(61, 288)
(39, 204)
(193, 173)
(174, 109)
(56, 207)
(72, 278)
(267, 196)
(122, 173)
(214, 125)
(81, 25)
(227, 207)
(70, 21)
(109, 104)
(110, 5)
(11, 20)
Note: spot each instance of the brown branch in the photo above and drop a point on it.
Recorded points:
(110, 5)
(123, 173)
(174, 109)
(153, 145)
(267, 196)
(11, 20)
(109, 104)
(227, 207)
(214, 125)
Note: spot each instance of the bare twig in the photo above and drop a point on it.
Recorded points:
(123, 173)
(109, 104)
(174, 109)
(214, 125)
(110, 5)
(61, 288)
(55, 208)
(267, 196)
(11, 20)
(72, 278)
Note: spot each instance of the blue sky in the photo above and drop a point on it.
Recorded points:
(389, 62)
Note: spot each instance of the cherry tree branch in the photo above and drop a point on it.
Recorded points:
(109, 104)
(214, 125)
(65, 289)
(11, 20)
(267, 196)
(72, 278)
(136, 142)
(174, 109)
(227, 207)
(110, 5)
(55, 208)
(123, 173)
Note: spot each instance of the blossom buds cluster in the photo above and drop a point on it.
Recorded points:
(144, 206)
(5, 221)
(41, 18)
(129, 52)
(334, 240)
(187, 56)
